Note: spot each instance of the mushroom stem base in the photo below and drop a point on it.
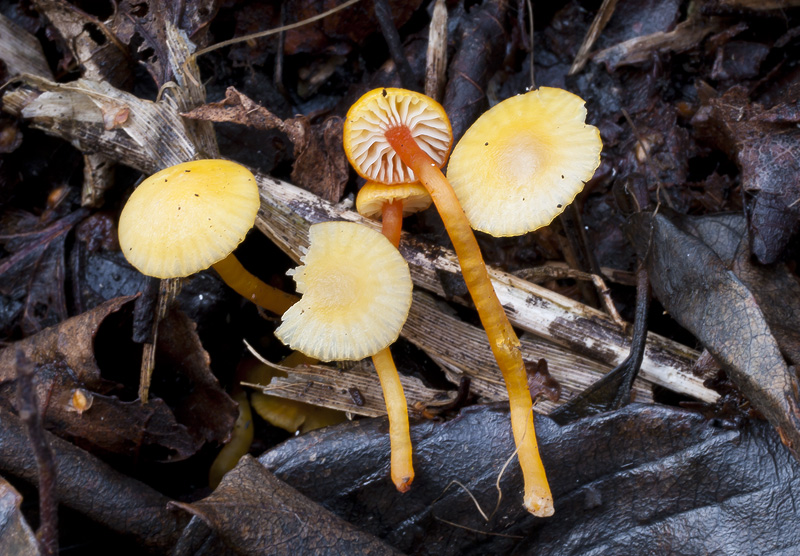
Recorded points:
(503, 340)
(396, 407)
(251, 288)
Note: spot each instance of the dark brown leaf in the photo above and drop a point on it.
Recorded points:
(320, 164)
(196, 396)
(33, 272)
(699, 291)
(623, 482)
(94, 489)
(66, 360)
(252, 512)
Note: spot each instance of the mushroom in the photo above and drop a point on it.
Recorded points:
(392, 203)
(398, 136)
(356, 296)
(523, 161)
(188, 217)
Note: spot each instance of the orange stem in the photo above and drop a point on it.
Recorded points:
(392, 221)
(397, 409)
(251, 288)
(396, 405)
(503, 340)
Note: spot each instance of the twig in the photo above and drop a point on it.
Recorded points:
(28, 411)
(384, 15)
(600, 20)
(436, 57)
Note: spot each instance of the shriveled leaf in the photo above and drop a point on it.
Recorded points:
(623, 482)
(93, 488)
(774, 286)
(252, 512)
(20, 51)
(16, 536)
(33, 272)
(320, 164)
(766, 146)
(706, 298)
(66, 360)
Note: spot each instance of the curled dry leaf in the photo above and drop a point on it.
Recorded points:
(252, 512)
(623, 482)
(320, 164)
(16, 536)
(93, 488)
(694, 285)
(66, 360)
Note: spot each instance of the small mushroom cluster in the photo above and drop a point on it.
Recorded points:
(518, 166)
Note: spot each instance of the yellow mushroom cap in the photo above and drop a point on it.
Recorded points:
(373, 195)
(356, 294)
(187, 217)
(523, 161)
(382, 109)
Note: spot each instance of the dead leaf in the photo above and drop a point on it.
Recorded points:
(93, 488)
(320, 164)
(184, 379)
(623, 483)
(252, 512)
(66, 359)
(699, 291)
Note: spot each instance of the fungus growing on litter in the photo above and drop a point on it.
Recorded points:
(356, 296)
(356, 293)
(399, 136)
(188, 217)
(392, 203)
(523, 161)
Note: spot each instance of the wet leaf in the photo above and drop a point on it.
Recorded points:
(66, 359)
(252, 512)
(16, 536)
(766, 146)
(706, 298)
(623, 483)
(93, 488)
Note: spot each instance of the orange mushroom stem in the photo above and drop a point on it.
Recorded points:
(393, 395)
(502, 338)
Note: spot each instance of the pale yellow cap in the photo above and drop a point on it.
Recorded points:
(356, 294)
(522, 162)
(373, 195)
(187, 217)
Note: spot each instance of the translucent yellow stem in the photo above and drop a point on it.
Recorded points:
(251, 288)
(402, 467)
(503, 340)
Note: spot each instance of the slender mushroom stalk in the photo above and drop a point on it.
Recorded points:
(188, 217)
(391, 203)
(356, 296)
(390, 122)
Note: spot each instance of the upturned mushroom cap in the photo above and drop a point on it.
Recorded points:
(382, 109)
(373, 195)
(187, 217)
(522, 162)
(356, 294)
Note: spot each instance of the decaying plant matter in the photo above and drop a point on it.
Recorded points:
(694, 202)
